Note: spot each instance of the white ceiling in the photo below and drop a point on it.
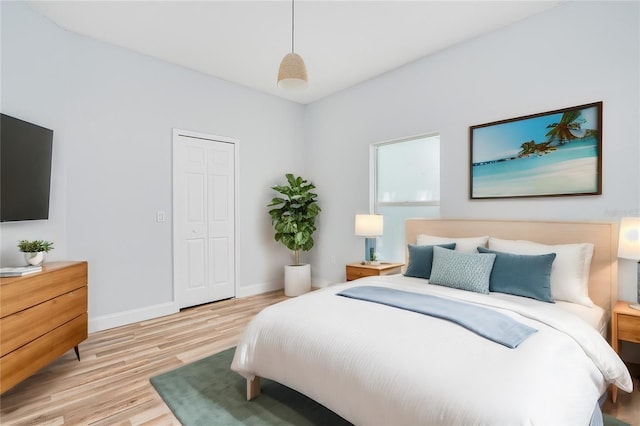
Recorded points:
(342, 42)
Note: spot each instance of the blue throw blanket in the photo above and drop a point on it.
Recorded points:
(484, 322)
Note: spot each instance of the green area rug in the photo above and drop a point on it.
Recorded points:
(612, 421)
(207, 392)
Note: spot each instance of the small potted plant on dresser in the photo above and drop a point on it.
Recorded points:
(293, 217)
(34, 250)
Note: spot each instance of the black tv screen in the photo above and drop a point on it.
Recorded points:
(25, 170)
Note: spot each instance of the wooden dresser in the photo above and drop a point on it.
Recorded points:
(42, 316)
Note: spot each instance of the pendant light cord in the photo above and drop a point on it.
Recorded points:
(293, 23)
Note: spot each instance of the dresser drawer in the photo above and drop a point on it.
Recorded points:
(22, 327)
(26, 360)
(20, 293)
(628, 328)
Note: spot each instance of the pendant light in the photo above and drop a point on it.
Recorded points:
(293, 72)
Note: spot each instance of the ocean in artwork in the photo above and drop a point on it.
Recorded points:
(571, 169)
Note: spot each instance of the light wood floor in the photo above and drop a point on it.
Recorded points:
(110, 386)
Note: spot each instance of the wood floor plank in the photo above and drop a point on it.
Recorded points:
(150, 412)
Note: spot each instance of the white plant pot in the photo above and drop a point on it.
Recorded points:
(34, 258)
(297, 279)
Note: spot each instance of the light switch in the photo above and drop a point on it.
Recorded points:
(160, 216)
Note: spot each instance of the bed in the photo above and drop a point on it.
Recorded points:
(372, 363)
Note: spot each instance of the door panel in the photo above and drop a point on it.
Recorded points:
(196, 265)
(204, 219)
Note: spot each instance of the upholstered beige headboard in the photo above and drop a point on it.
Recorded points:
(603, 277)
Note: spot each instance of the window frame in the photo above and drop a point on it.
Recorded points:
(392, 243)
(373, 175)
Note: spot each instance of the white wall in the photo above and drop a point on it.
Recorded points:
(112, 112)
(576, 53)
(31, 89)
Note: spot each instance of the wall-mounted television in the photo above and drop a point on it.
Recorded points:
(25, 170)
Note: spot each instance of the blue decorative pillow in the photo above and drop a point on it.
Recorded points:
(522, 274)
(464, 271)
(421, 258)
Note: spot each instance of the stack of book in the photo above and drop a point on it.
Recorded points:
(18, 271)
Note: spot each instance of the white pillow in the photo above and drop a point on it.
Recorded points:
(465, 245)
(570, 269)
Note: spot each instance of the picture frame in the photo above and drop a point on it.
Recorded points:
(554, 153)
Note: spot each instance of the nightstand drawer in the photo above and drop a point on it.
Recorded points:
(357, 270)
(353, 273)
(628, 328)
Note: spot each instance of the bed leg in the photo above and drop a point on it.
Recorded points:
(253, 388)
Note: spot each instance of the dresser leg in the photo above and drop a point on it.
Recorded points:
(75, 348)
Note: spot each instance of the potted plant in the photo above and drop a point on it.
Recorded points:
(293, 216)
(34, 250)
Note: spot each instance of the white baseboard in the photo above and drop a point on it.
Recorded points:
(252, 290)
(320, 283)
(118, 319)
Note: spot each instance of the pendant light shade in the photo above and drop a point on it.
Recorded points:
(293, 72)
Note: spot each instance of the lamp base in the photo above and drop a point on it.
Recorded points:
(634, 306)
(369, 248)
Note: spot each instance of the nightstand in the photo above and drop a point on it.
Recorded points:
(357, 270)
(625, 325)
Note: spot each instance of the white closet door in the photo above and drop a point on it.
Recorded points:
(203, 218)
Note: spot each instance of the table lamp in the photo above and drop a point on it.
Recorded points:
(629, 247)
(369, 226)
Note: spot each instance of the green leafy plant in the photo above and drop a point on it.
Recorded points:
(35, 246)
(294, 214)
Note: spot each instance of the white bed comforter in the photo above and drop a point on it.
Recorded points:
(377, 365)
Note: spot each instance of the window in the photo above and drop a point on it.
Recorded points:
(406, 183)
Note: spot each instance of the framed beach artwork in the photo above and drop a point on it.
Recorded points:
(555, 153)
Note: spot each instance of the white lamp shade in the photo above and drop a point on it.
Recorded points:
(629, 240)
(369, 225)
(293, 72)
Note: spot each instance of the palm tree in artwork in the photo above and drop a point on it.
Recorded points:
(530, 148)
(544, 148)
(527, 148)
(568, 129)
